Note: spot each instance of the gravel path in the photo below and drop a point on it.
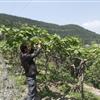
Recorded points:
(92, 90)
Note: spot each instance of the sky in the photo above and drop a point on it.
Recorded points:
(85, 13)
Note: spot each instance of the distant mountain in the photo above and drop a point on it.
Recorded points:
(63, 30)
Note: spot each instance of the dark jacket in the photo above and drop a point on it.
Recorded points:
(28, 63)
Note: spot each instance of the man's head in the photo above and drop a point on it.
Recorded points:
(24, 48)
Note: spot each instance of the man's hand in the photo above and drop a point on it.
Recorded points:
(39, 45)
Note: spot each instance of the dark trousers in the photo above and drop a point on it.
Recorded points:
(32, 91)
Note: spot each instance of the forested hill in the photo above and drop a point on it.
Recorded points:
(63, 30)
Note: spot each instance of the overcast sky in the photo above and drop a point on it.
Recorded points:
(82, 12)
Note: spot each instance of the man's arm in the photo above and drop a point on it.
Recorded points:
(35, 53)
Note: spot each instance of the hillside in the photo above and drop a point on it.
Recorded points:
(63, 30)
(62, 65)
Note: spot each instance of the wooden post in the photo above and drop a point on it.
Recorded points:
(82, 87)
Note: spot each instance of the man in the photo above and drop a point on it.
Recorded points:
(27, 56)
